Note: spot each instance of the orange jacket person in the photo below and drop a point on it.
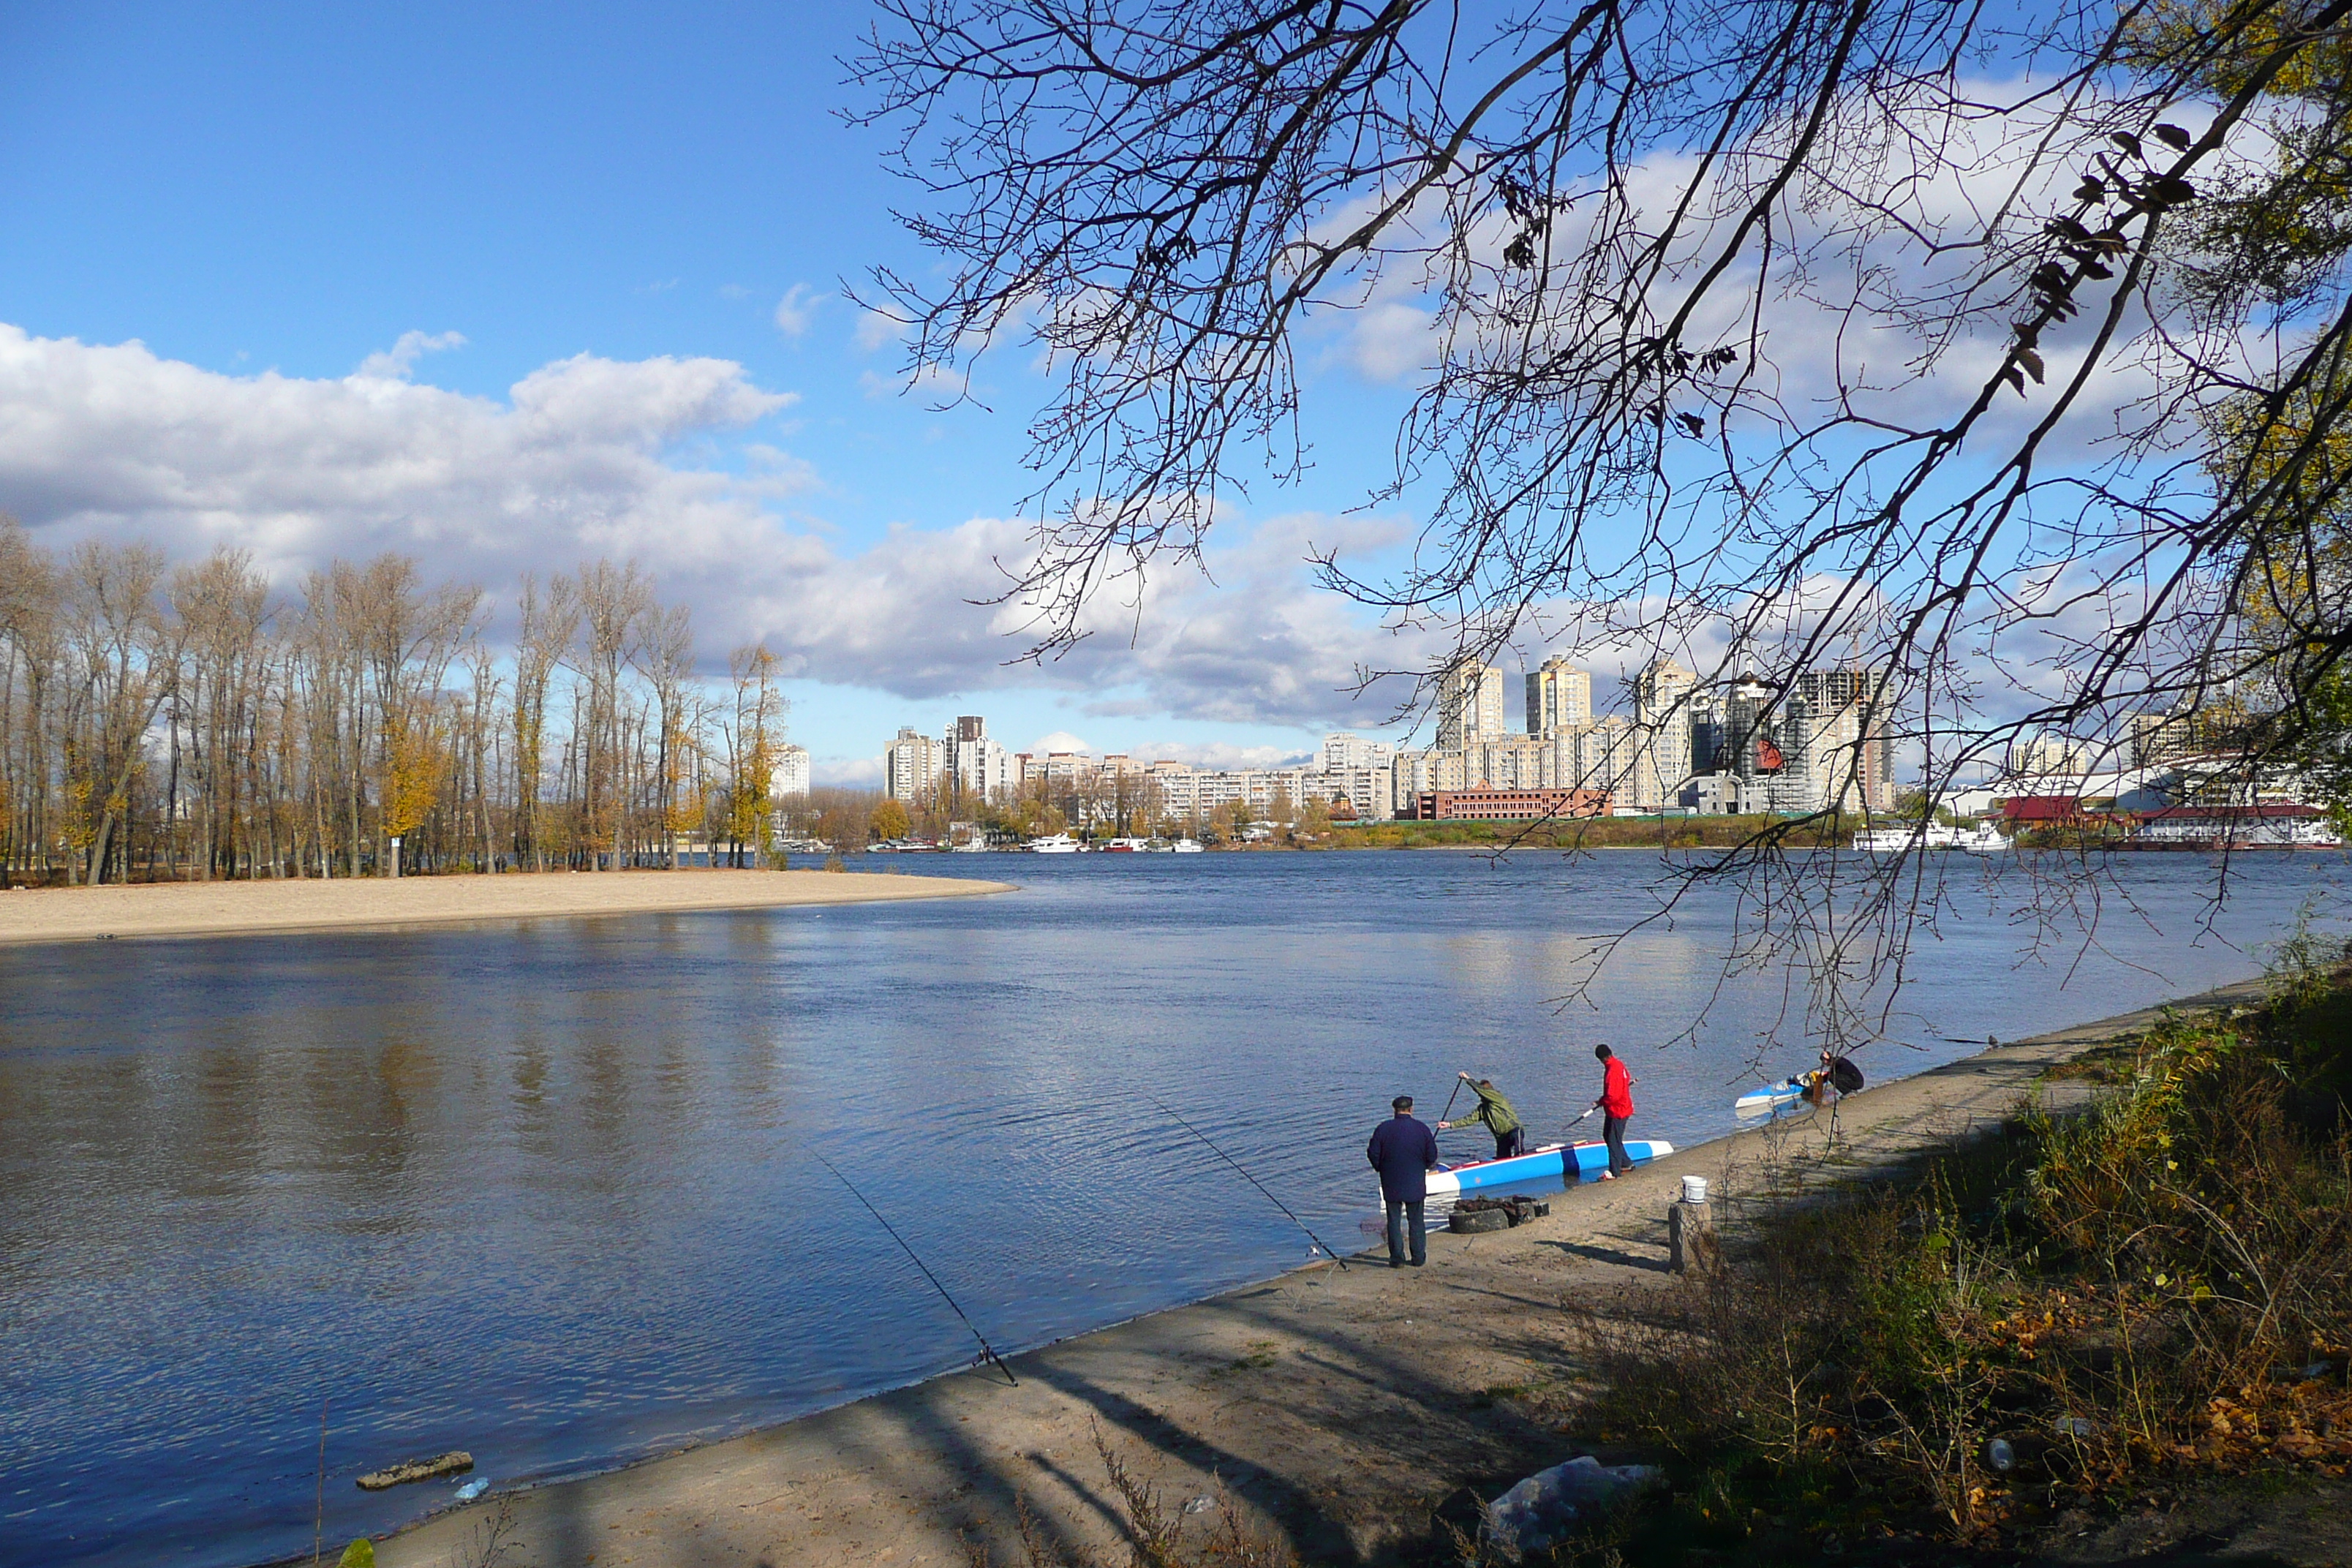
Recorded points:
(1616, 1106)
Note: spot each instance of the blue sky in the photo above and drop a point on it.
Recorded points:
(265, 196)
(508, 289)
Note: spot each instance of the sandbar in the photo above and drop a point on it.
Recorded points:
(1338, 1406)
(38, 915)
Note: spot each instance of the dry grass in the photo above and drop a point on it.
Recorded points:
(2160, 1287)
(1157, 1538)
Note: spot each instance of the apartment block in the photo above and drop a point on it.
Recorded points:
(1559, 697)
(1469, 705)
(975, 765)
(912, 766)
(792, 773)
(1662, 715)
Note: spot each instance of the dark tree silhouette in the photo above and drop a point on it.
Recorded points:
(2001, 348)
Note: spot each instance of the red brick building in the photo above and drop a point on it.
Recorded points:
(1507, 805)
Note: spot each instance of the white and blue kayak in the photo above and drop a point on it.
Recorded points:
(1771, 1097)
(1552, 1160)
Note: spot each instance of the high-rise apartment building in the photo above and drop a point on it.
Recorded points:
(912, 766)
(791, 774)
(2044, 755)
(1819, 743)
(1469, 705)
(1343, 752)
(1662, 715)
(1559, 697)
(1846, 742)
(974, 765)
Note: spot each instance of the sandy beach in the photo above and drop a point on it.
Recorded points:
(1340, 1405)
(35, 915)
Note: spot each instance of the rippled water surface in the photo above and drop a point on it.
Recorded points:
(549, 1192)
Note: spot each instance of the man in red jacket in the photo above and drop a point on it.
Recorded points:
(1616, 1106)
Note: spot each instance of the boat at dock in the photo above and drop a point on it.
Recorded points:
(1982, 838)
(1054, 844)
(1551, 1160)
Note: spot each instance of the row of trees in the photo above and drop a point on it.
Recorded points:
(192, 722)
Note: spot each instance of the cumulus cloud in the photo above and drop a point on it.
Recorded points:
(878, 328)
(1220, 754)
(395, 363)
(113, 439)
(797, 309)
(1059, 740)
(579, 460)
(847, 773)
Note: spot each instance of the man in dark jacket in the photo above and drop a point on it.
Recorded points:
(1403, 1151)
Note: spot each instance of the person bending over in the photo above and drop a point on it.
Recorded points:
(1616, 1107)
(1510, 1137)
(1404, 1151)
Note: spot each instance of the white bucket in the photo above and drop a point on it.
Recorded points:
(1694, 1189)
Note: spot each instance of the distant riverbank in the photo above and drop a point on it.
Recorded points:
(37, 915)
(1589, 832)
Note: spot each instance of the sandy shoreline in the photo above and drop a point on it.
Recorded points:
(37, 915)
(1338, 1404)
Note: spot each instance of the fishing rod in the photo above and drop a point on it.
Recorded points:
(987, 1351)
(1253, 1181)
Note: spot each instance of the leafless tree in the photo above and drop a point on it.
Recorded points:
(166, 724)
(613, 603)
(2002, 350)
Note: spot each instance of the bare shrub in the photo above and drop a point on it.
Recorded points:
(1155, 1535)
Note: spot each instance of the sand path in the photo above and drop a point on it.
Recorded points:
(1340, 1404)
(34, 915)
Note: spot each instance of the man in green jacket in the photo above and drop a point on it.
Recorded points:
(1510, 1138)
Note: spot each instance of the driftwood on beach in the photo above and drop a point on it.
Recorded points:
(457, 1462)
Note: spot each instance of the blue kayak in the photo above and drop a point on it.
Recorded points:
(1771, 1097)
(1550, 1160)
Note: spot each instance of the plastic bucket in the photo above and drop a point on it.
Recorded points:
(1694, 1189)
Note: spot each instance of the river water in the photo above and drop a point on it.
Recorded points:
(550, 1192)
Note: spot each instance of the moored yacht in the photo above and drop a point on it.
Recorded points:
(1982, 838)
(1055, 844)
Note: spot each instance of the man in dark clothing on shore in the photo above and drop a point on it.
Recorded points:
(1616, 1106)
(1403, 1151)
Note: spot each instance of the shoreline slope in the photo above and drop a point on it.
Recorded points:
(1340, 1404)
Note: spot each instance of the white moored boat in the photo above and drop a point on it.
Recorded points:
(1187, 846)
(1983, 838)
(1054, 844)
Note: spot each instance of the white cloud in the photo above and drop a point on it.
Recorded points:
(848, 772)
(112, 439)
(878, 329)
(1220, 754)
(578, 461)
(797, 309)
(1392, 341)
(1059, 740)
(395, 363)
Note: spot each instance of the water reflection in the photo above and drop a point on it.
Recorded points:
(545, 1191)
